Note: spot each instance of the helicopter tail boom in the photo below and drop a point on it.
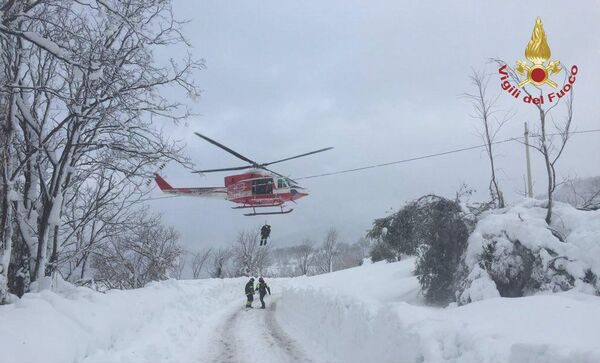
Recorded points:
(162, 184)
(206, 192)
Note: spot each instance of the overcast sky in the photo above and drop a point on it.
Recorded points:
(379, 81)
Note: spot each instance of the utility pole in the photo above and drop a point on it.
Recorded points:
(529, 183)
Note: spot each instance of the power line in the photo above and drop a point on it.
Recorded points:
(407, 160)
(432, 155)
(157, 198)
(135, 201)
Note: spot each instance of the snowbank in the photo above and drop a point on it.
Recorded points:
(358, 315)
(522, 255)
(371, 313)
(168, 321)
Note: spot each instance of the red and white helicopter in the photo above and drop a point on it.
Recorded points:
(260, 187)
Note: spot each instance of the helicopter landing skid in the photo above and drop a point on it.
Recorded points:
(254, 213)
(268, 213)
(257, 206)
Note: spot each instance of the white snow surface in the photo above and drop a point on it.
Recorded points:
(372, 313)
(164, 322)
(525, 222)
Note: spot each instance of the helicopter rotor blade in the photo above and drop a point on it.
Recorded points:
(222, 169)
(297, 156)
(252, 162)
(292, 180)
(271, 171)
(232, 152)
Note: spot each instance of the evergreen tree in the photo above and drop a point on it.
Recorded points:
(443, 228)
(434, 229)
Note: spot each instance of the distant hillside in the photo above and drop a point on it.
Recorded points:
(580, 193)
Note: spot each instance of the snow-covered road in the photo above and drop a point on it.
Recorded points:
(371, 313)
(254, 335)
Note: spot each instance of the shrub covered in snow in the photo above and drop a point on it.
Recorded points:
(513, 252)
(382, 251)
(436, 230)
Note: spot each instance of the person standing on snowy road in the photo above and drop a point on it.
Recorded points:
(262, 289)
(249, 292)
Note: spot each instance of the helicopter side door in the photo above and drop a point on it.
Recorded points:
(262, 186)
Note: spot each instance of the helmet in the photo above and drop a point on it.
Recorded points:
(252, 279)
(261, 279)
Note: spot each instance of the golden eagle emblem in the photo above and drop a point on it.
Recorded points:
(538, 53)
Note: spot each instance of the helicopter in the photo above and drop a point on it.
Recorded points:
(259, 187)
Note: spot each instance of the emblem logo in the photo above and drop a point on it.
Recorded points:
(538, 53)
(537, 70)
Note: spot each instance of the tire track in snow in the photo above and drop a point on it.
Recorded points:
(284, 341)
(254, 335)
(227, 352)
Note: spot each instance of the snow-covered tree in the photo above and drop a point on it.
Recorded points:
(219, 262)
(350, 255)
(146, 251)
(492, 119)
(308, 259)
(12, 58)
(380, 251)
(199, 260)
(250, 259)
(550, 124)
(98, 206)
(328, 252)
(306, 256)
(433, 228)
(442, 225)
(397, 233)
(80, 96)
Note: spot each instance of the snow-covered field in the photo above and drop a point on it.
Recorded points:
(371, 313)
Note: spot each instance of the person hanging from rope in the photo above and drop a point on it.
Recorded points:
(265, 232)
(262, 289)
(249, 290)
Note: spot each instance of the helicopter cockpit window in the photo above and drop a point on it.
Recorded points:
(262, 186)
(281, 183)
(290, 183)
